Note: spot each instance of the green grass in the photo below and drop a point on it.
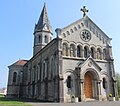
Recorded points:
(1, 95)
(10, 102)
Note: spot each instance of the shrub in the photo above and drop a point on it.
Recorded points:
(110, 95)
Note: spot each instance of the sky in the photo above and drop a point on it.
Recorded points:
(18, 18)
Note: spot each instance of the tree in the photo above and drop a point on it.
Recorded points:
(118, 82)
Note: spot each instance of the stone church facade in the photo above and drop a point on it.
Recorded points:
(78, 63)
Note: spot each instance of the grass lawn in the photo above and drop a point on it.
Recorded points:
(9, 102)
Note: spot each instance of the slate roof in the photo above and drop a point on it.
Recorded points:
(43, 20)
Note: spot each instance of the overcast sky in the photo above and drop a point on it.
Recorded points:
(18, 18)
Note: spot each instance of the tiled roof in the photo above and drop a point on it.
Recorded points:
(20, 62)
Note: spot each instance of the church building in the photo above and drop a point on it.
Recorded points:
(78, 63)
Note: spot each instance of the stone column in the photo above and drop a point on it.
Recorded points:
(59, 65)
(82, 96)
(99, 90)
(95, 54)
(75, 55)
(61, 91)
(82, 52)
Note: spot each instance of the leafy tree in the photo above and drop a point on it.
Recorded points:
(118, 82)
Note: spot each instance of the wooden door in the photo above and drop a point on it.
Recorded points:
(88, 86)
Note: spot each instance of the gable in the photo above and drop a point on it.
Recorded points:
(72, 33)
(89, 63)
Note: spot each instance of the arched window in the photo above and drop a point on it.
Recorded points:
(37, 73)
(72, 50)
(39, 39)
(104, 83)
(69, 82)
(78, 51)
(14, 77)
(104, 54)
(99, 53)
(29, 74)
(40, 69)
(46, 68)
(51, 72)
(34, 73)
(46, 39)
(52, 68)
(43, 72)
(93, 52)
(85, 51)
(65, 49)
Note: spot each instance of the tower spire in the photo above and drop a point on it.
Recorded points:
(42, 32)
(43, 20)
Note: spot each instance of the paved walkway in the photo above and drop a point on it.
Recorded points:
(116, 103)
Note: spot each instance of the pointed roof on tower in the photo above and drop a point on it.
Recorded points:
(43, 22)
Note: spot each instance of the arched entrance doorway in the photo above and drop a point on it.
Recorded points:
(88, 91)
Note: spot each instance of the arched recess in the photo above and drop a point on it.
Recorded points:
(70, 87)
(39, 39)
(86, 51)
(65, 49)
(71, 30)
(104, 83)
(95, 73)
(93, 52)
(104, 54)
(53, 67)
(51, 70)
(79, 51)
(46, 39)
(14, 77)
(99, 53)
(72, 50)
(105, 78)
(91, 83)
(51, 77)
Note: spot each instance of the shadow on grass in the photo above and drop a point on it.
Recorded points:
(4, 99)
(11, 102)
(20, 100)
(7, 99)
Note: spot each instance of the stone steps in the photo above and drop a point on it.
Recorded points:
(90, 100)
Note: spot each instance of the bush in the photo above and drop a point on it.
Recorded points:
(110, 95)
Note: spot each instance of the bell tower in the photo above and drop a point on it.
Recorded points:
(42, 32)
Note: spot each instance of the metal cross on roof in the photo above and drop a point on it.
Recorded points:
(84, 10)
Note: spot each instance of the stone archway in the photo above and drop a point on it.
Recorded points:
(91, 85)
(88, 91)
(69, 85)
